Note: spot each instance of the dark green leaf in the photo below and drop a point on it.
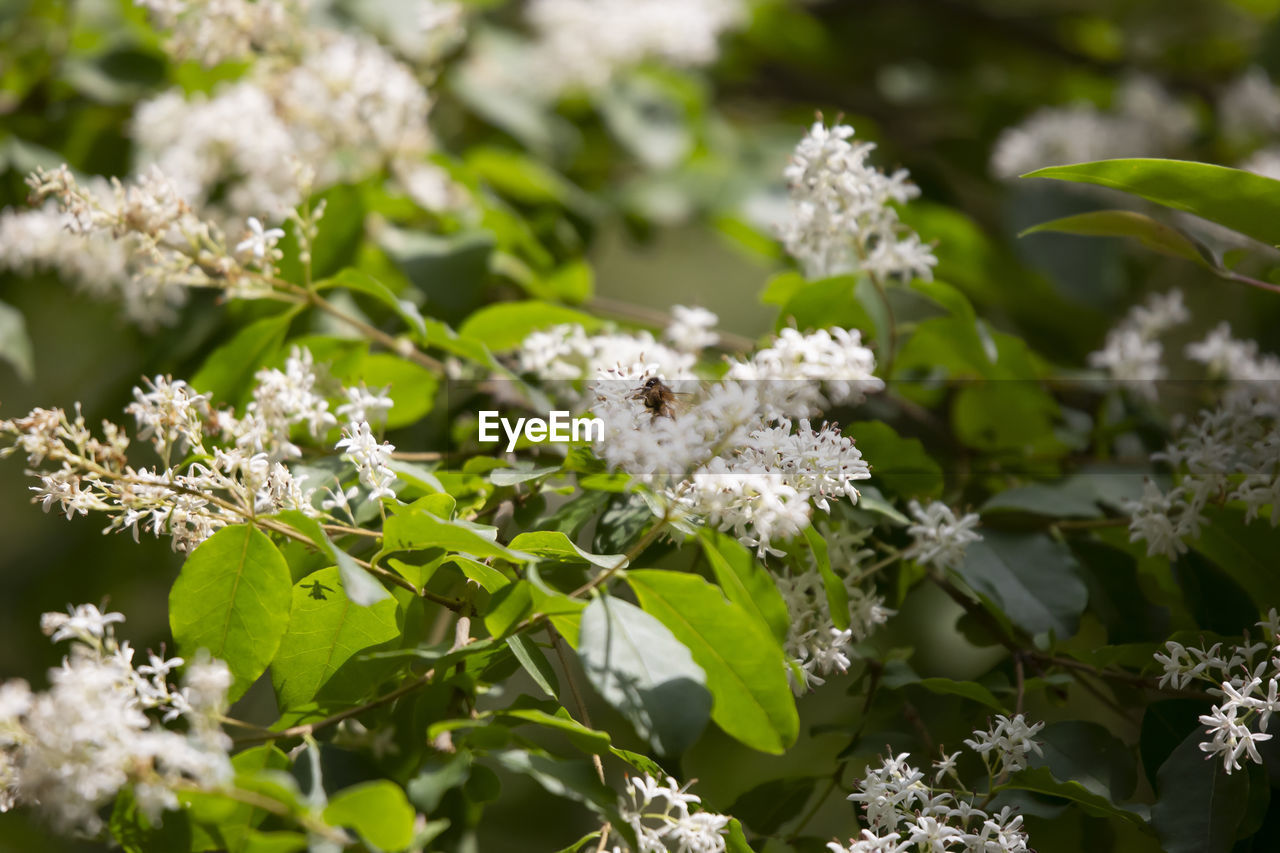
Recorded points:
(1198, 805)
(1039, 780)
(1033, 579)
(900, 464)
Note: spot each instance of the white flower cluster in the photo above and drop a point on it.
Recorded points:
(581, 44)
(659, 814)
(69, 750)
(345, 107)
(567, 352)
(806, 372)
(140, 242)
(906, 813)
(842, 216)
(1246, 681)
(741, 454)
(691, 328)
(939, 538)
(723, 462)
(1144, 121)
(1132, 354)
(216, 31)
(815, 646)
(218, 484)
(1227, 454)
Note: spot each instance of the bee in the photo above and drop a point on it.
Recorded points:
(658, 398)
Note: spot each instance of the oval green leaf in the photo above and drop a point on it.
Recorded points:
(325, 630)
(745, 667)
(379, 811)
(232, 598)
(1240, 200)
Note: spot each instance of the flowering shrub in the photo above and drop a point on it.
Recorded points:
(870, 529)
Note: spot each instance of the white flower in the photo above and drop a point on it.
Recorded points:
(69, 750)
(259, 242)
(691, 328)
(1009, 740)
(583, 43)
(85, 623)
(939, 538)
(842, 218)
(660, 816)
(1132, 354)
(370, 458)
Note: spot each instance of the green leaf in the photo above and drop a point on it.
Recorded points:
(837, 594)
(325, 631)
(232, 598)
(1246, 552)
(1127, 223)
(522, 178)
(15, 343)
(413, 529)
(1240, 200)
(362, 282)
(769, 805)
(227, 373)
(1033, 579)
(505, 325)
(745, 582)
(359, 585)
(1070, 498)
(1090, 754)
(520, 474)
(745, 668)
(280, 841)
(900, 464)
(1199, 805)
(641, 669)
(575, 780)
(899, 674)
(560, 548)
(824, 304)
(1040, 781)
(413, 388)
(535, 664)
(588, 740)
(450, 271)
(378, 811)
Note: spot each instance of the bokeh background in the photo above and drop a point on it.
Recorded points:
(944, 87)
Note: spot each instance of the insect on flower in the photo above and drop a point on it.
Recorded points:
(658, 397)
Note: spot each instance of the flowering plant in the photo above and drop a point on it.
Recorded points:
(944, 545)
